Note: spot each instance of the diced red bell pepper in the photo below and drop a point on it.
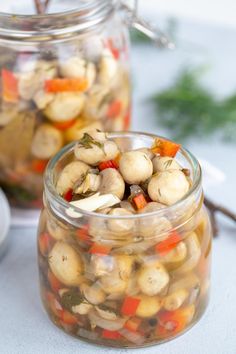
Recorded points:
(99, 249)
(165, 147)
(45, 243)
(129, 306)
(10, 91)
(108, 164)
(139, 201)
(64, 125)
(66, 85)
(110, 334)
(115, 51)
(54, 282)
(168, 244)
(133, 324)
(174, 321)
(114, 109)
(82, 234)
(39, 166)
(127, 120)
(68, 195)
(68, 318)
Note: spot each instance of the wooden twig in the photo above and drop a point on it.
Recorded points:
(41, 6)
(214, 208)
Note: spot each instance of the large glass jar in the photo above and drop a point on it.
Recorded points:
(95, 283)
(62, 73)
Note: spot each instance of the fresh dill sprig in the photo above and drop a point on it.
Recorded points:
(188, 109)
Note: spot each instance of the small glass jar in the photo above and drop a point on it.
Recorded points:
(95, 280)
(62, 73)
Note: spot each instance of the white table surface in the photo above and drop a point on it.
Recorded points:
(24, 327)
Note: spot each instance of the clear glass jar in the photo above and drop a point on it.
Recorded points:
(98, 287)
(61, 73)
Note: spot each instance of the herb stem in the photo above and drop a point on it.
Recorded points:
(214, 208)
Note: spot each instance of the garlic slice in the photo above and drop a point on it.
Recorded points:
(93, 203)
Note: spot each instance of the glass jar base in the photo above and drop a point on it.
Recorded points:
(113, 344)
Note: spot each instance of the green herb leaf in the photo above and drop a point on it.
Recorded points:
(71, 298)
(188, 109)
(87, 142)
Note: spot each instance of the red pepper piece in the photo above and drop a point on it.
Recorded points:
(108, 164)
(68, 318)
(174, 321)
(64, 125)
(133, 324)
(115, 51)
(114, 109)
(127, 120)
(110, 334)
(66, 85)
(10, 91)
(99, 249)
(39, 166)
(139, 201)
(82, 234)
(54, 282)
(68, 195)
(168, 244)
(129, 306)
(45, 243)
(165, 147)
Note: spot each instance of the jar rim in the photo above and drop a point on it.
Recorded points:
(54, 196)
(44, 27)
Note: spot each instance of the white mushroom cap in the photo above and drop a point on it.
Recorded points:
(102, 264)
(108, 68)
(135, 167)
(42, 98)
(112, 283)
(173, 301)
(76, 67)
(93, 293)
(77, 130)
(168, 187)
(46, 141)
(123, 226)
(153, 279)
(65, 106)
(82, 309)
(111, 150)
(147, 151)
(124, 264)
(176, 255)
(148, 306)
(65, 263)
(56, 229)
(98, 152)
(70, 175)
(91, 156)
(153, 226)
(112, 182)
(165, 163)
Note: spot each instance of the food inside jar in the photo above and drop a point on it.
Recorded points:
(127, 277)
(49, 99)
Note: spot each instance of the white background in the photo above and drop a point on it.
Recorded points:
(212, 11)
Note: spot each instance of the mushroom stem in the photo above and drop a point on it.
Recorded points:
(213, 208)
